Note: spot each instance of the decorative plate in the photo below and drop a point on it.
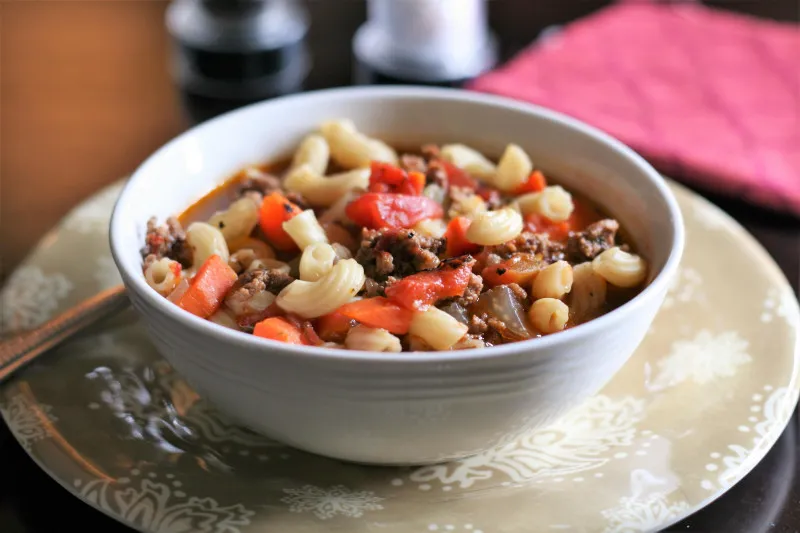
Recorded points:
(700, 403)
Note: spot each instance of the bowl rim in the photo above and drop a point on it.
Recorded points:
(135, 282)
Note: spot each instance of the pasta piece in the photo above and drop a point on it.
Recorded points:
(320, 191)
(269, 264)
(351, 148)
(465, 203)
(316, 261)
(163, 275)
(495, 227)
(205, 241)
(372, 340)
(553, 203)
(513, 169)
(310, 299)
(549, 315)
(437, 328)
(468, 342)
(223, 318)
(470, 160)
(588, 292)
(313, 152)
(305, 230)
(238, 221)
(553, 281)
(259, 248)
(431, 227)
(620, 268)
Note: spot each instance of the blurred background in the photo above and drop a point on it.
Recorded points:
(89, 89)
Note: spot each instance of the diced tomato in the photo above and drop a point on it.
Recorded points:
(280, 329)
(389, 178)
(379, 312)
(520, 268)
(275, 210)
(208, 287)
(557, 231)
(420, 290)
(384, 210)
(333, 327)
(536, 182)
(456, 238)
(457, 177)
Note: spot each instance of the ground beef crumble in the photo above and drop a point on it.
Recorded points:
(595, 239)
(271, 280)
(531, 243)
(399, 252)
(167, 240)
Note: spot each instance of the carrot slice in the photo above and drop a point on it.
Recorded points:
(275, 210)
(536, 182)
(333, 327)
(279, 329)
(379, 312)
(208, 287)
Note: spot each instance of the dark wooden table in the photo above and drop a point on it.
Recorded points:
(72, 112)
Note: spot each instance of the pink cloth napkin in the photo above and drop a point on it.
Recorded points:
(704, 95)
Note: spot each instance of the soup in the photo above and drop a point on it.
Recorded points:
(356, 244)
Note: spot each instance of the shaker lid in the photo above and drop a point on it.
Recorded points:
(237, 25)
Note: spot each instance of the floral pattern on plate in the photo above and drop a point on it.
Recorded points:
(108, 417)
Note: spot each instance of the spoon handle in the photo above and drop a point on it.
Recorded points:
(21, 349)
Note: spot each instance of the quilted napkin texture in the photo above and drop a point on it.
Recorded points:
(707, 96)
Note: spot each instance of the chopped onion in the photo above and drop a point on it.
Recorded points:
(501, 303)
(457, 311)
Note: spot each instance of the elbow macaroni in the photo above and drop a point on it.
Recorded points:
(313, 152)
(205, 241)
(431, 227)
(469, 159)
(322, 191)
(310, 299)
(553, 203)
(495, 227)
(620, 268)
(513, 169)
(269, 264)
(238, 221)
(223, 318)
(372, 340)
(553, 281)
(351, 148)
(305, 230)
(163, 275)
(316, 261)
(549, 315)
(437, 328)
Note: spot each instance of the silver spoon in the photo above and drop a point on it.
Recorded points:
(18, 351)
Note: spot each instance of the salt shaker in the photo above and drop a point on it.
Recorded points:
(432, 42)
(230, 53)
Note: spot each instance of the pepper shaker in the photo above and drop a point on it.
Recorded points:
(431, 42)
(229, 53)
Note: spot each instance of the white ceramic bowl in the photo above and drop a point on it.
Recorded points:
(405, 408)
